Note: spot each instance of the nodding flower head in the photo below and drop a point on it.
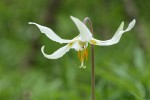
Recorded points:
(80, 42)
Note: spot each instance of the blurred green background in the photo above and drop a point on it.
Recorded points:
(122, 70)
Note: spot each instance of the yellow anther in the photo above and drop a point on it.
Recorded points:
(86, 54)
(82, 56)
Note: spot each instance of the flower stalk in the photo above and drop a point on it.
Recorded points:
(92, 60)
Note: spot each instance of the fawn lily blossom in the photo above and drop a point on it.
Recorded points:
(80, 42)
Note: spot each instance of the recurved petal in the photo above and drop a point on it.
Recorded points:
(119, 29)
(106, 42)
(115, 39)
(50, 34)
(131, 25)
(84, 31)
(57, 54)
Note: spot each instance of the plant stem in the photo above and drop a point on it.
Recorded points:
(92, 59)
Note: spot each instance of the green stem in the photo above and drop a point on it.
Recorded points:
(92, 59)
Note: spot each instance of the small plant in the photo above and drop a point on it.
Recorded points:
(80, 43)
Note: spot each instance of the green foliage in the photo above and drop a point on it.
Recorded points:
(122, 70)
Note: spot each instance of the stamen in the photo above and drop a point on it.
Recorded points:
(86, 54)
(83, 56)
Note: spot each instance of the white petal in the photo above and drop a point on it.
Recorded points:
(115, 39)
(76, 46)
(50, 34)
(84, 31)
(57, 54)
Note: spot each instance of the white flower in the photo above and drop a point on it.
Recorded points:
(80, 42)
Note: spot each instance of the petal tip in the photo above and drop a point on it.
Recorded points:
(31, 23)
(122, 24)
(134, 21)
(72, 17)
